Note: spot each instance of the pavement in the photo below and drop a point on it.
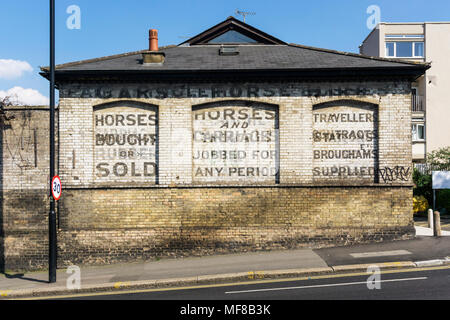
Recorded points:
(425, 231)
(422, 221)
(421, 251)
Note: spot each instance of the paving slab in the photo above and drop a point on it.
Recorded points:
(428, 232)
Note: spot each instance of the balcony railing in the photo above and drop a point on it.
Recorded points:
(418, 103)
(426, 168)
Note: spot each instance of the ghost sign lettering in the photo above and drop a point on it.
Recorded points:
(125, 143)
(235, 143)
(345, 142)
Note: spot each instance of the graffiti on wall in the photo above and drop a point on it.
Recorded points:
(397, 173)
(235, 143)
(20, 141)
(345, 142)
(125, 143)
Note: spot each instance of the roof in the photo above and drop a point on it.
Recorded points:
(232, 23)
(250, 57)
(196, 58)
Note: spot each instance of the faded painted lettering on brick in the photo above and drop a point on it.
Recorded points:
(235, 142)
(125, 143)
(345, 142)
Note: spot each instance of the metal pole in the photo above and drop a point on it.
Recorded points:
(52, 214)
(434, 199)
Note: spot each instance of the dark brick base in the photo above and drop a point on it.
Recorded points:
(108, 226)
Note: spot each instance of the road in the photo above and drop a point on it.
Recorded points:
(418, 249)
(425, 283)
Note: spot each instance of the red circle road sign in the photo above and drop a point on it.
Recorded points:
(56, 188)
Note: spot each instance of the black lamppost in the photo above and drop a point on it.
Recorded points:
(52, 214)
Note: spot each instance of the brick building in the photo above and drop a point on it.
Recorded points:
(233, 140)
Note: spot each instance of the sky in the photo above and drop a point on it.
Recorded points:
(107, 27)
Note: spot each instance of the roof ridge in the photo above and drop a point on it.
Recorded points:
(358, 55)
(235, 24)
(114, 56)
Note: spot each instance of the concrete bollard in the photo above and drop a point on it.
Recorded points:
(437, 224)
(430, 219)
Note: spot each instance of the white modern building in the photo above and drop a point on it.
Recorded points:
(422, 42)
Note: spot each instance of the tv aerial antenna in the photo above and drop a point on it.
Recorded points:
(245, 13)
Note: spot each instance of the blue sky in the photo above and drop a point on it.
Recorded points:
(117, 26)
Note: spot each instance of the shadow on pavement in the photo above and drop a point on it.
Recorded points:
(21, 276)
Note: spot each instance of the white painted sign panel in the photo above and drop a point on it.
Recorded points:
(441, 179)
(235, 143)
(125, 143)
(345, 142)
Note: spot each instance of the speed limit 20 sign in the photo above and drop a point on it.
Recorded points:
(56, 188)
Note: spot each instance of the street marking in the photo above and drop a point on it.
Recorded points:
(380, 254)
(255, 275)
(429, 263)
(119, 285)
(324, 285)
(206, 286)
(4, 293)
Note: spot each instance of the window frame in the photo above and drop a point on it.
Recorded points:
(415, 136)
(386, 49)
(404, 36)
(413, 51)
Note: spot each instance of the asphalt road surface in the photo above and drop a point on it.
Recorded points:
(423, 284)
(419, 249)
